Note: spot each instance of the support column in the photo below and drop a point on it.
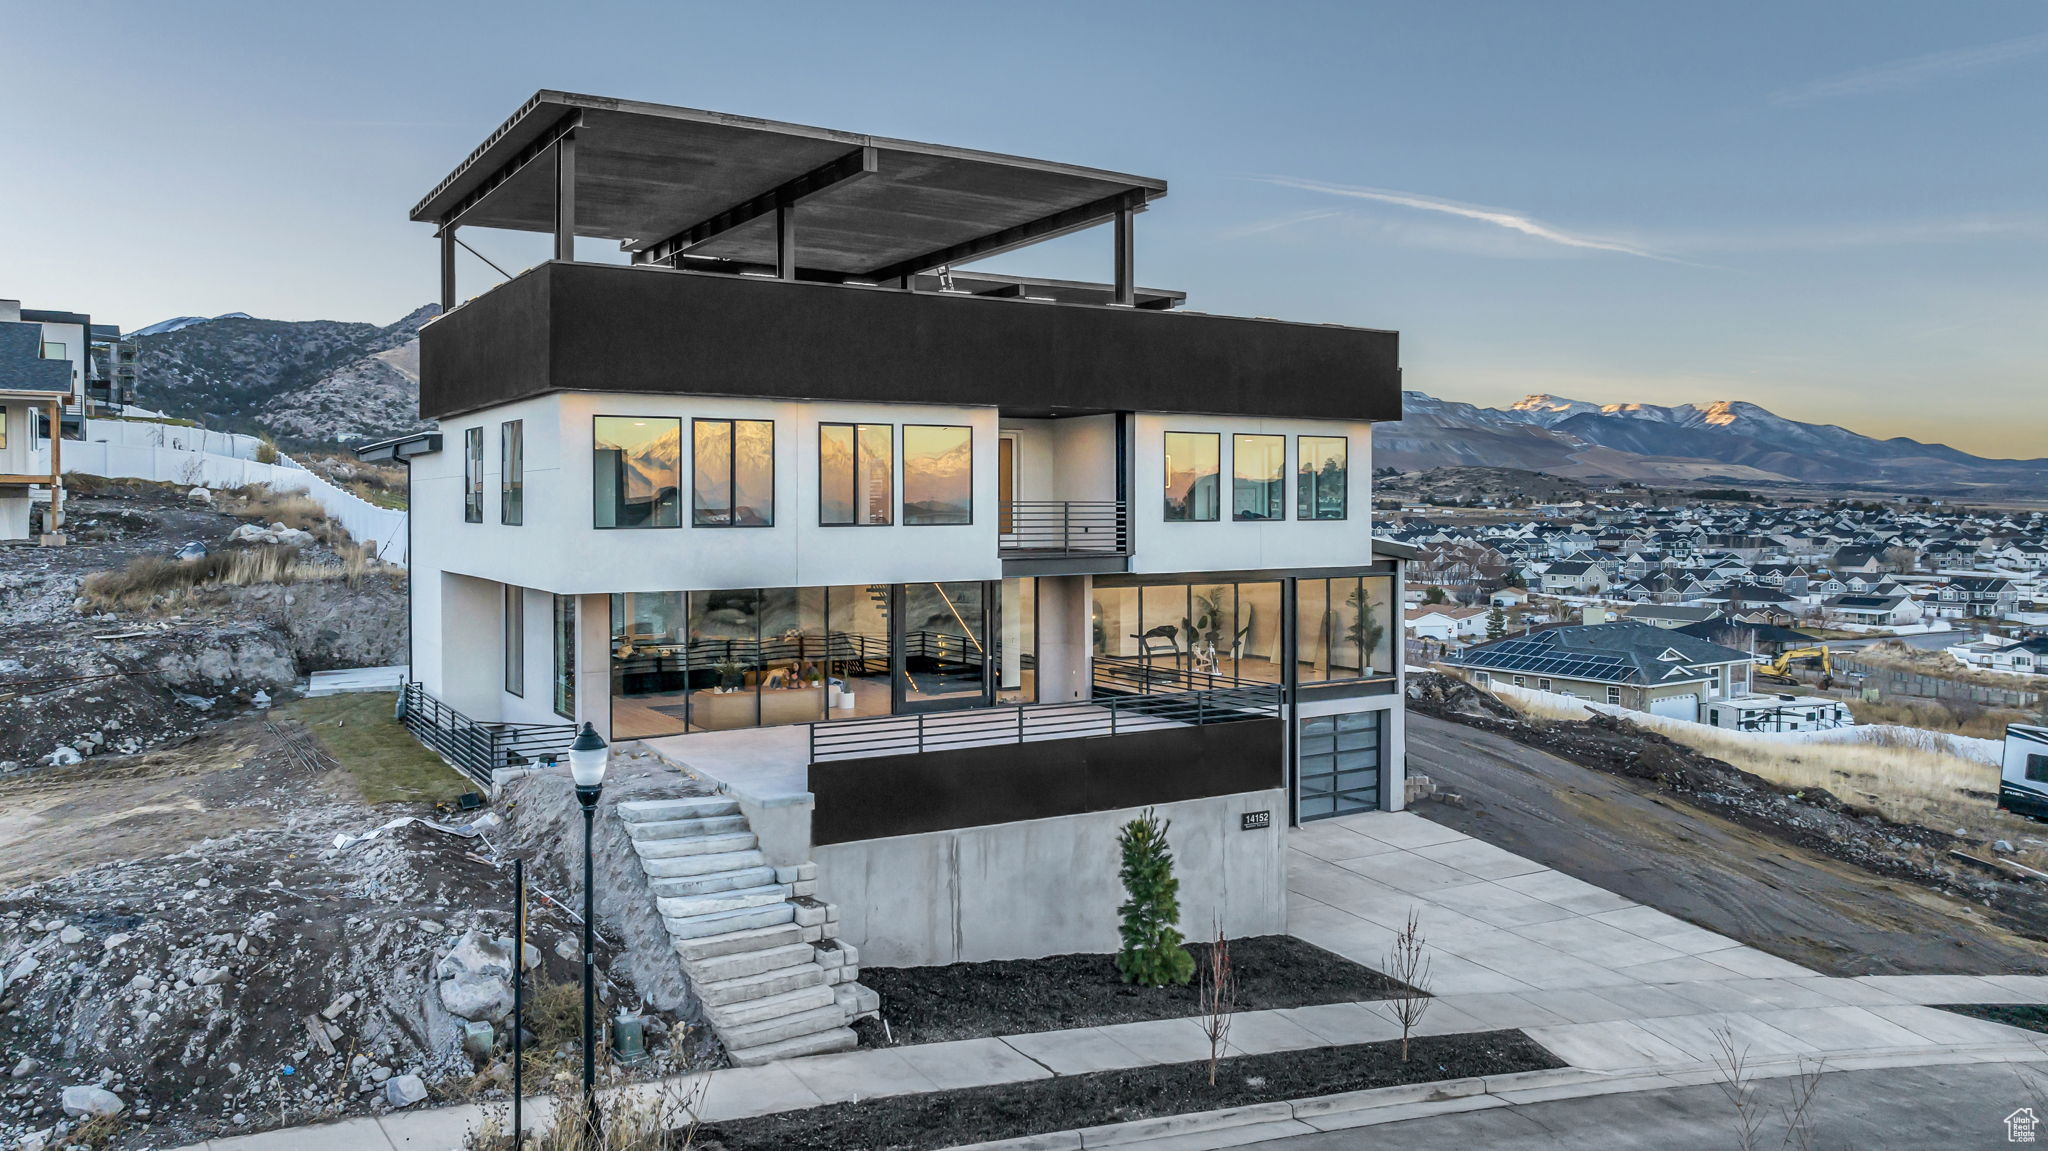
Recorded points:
(447, 268)
(565, 197)
(785, 239)
(594, 662)
(1126, 257)
(56, 524)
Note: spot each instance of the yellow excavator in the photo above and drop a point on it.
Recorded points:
(1781, 667)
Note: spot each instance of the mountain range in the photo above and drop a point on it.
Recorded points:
(1726, 440)
(302, 381)
(327, 382)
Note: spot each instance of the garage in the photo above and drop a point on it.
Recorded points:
(1685, 706)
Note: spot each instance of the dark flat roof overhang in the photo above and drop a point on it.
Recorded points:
(566, 327)
(675, 179)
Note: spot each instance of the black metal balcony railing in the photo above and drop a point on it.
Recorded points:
(477, 749)
(1059, 529)
(1032, 722)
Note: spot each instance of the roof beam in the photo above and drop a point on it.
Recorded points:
(1058, 224)
(510, 168)
(862, 161)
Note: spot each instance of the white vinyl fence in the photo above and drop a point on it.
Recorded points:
(1988, 751)
(194, 457)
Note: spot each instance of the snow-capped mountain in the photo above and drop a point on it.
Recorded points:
(176, 323)
(1721, 440)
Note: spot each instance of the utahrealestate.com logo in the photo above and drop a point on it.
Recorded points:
(2019, 1126)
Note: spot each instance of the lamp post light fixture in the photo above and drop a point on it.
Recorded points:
(587, 759)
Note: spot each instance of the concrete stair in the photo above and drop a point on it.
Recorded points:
(759, 947)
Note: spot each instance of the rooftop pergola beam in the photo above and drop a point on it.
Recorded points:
(527, 155)
(1031, 232)
(862, 161)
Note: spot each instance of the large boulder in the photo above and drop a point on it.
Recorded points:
(476, 978)
(85, 1100)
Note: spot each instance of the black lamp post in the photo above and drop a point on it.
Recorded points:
(587, 759)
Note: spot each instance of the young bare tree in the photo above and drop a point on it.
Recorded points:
(1218, 993)
(1408, 965)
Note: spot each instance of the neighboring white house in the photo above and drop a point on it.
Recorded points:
(1447, 624)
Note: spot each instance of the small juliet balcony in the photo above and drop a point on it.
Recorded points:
(1064, 530)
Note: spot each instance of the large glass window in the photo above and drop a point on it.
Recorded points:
(945, 642)
(717, 660)
(1175, 636)
(473, 476)
(1258, 489)
(1193, 472)
(638, 472)
(1344, 628)
(938, 474)
(515, 640)
(733, 473)
(512, 473)
(1321, 481)
(856, 469)
(565, 656)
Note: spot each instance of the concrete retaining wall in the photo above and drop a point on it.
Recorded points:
(1049, 886)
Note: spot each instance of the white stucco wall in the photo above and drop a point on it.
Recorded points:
(1049, 886)
(1224, 544)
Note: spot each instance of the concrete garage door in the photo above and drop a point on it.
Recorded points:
(1677, 707)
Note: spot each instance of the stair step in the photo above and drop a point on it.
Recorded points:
(768, 1008)
(816, 1043)
(741, 964)
(703, 947)
(715, 881)
(786, 1027)
(690, 905)
(723, 993)
(698, 807)
(719, 922)
(687, 865)
(685, 828)
(723, 843)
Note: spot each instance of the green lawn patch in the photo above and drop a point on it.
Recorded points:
(386, 762)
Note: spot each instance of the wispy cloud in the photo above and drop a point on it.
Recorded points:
(1499, 217)
(1278, 223)
(1912, 70)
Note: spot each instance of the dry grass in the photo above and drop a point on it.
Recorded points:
(95, 1133)
(1955, 717)
(155, 582)
(1904, 782)
(649, 1117)
(258, 503)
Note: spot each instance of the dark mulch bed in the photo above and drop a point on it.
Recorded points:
(1014, 996)
(977, 1114)
(2031, 1016)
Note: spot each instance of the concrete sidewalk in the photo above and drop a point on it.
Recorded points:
(1632, 999)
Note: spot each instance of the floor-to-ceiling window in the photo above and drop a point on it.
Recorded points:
(1177, 636)
(1344, 628)
(1017, 642)
(945, 644)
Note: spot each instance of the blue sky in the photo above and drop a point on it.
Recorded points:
(1835, 210)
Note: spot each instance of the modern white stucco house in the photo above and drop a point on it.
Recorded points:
(944, 575)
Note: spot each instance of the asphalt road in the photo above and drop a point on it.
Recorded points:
(1631, 839)
(1909, 1109)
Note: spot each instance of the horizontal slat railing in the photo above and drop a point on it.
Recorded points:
(1054, 529)
(477, 749)
(1032, 722)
